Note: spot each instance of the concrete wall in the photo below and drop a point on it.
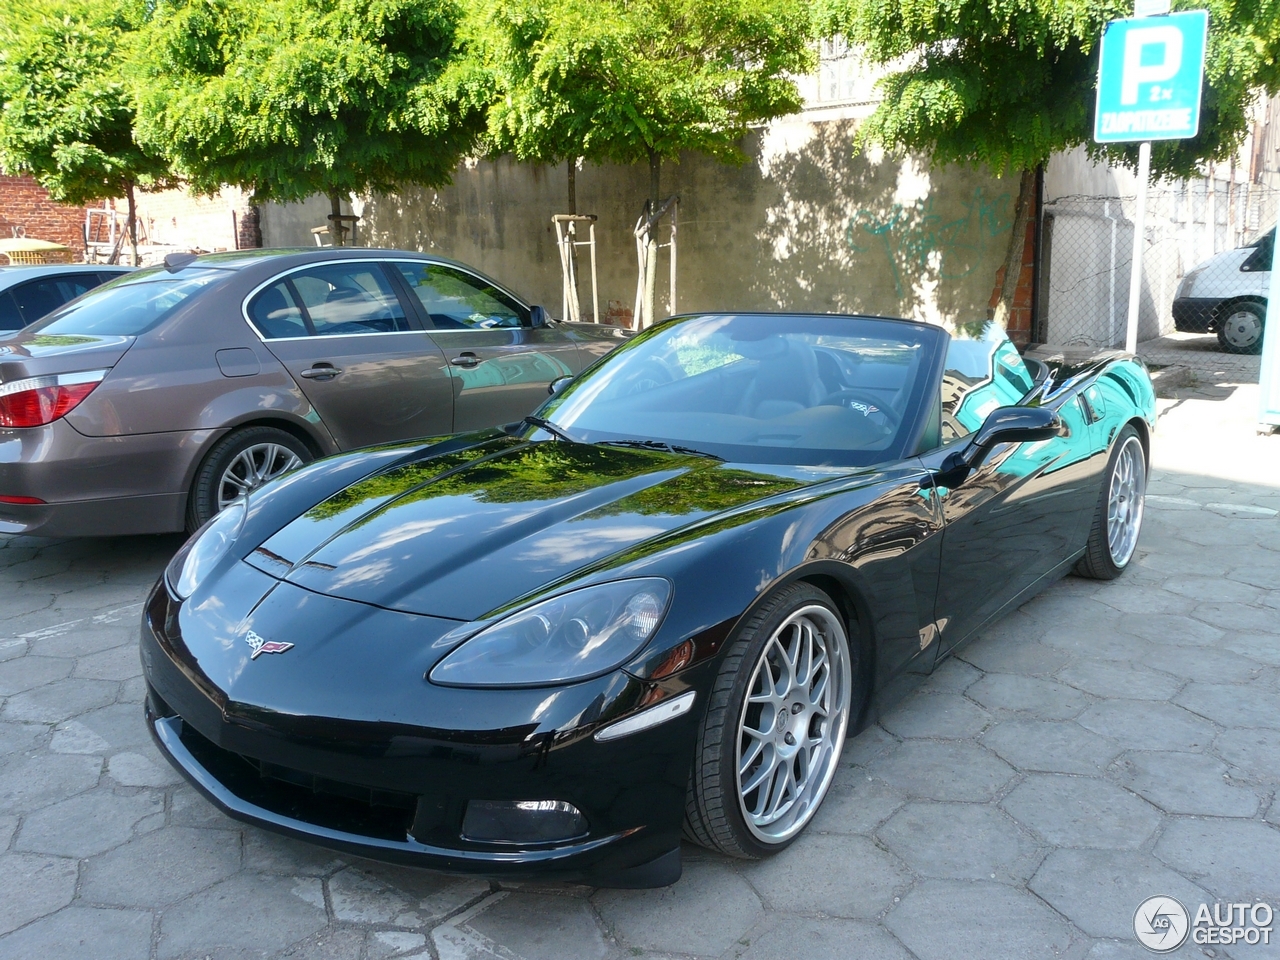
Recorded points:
(804, 224)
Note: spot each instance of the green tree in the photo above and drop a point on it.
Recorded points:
(66, 114)
(634, 81)
(288, 98)
(1008, 83)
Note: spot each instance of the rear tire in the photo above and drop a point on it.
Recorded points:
(1240, 328)
(768, 722)
(238, 464)
(1117, 520)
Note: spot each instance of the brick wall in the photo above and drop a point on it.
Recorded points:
(25, 204)
(1019, 326)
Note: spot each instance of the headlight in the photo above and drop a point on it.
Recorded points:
(574, 636)
(206, 547)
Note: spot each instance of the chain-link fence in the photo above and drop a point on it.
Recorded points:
(1205, 274)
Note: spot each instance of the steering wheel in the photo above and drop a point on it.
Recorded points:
(867, 404)
(653, 372)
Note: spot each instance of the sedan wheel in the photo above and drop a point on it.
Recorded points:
(779, 712)
(238, 464)
(251, 468)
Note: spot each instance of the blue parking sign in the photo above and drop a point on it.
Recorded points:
(1149, 78)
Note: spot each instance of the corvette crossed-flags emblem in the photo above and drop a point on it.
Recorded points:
(264, 646)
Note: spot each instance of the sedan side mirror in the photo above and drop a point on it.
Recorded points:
(556, 386)
(538, 316)
(1003, 425)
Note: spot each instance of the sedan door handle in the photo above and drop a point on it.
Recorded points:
(321, 371)
(465, 360)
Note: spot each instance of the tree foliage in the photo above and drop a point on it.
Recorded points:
(632, 81)
(288, 98)
(66, 112)
(1008, 83)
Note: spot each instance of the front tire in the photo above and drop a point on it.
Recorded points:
(237, 465)
(1117, 521)
(1240, 328)
(770, 743)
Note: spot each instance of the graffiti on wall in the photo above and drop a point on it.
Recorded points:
(943, 240)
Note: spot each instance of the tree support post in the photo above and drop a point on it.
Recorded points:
(567, 243)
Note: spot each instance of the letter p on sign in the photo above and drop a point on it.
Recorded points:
(1140, 42)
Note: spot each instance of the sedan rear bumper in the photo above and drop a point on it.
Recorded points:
(95, 486)
(111, 517)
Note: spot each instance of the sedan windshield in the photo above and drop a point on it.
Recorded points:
(805, 390)
(129, 306)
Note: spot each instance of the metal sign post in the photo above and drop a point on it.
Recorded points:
(1150, 75)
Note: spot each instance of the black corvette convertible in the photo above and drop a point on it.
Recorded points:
(654, 609)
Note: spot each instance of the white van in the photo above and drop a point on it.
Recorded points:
(1227, 294)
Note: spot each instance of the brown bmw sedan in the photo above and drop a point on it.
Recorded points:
(149, 403)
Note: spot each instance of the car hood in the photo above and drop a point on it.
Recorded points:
(462, 534)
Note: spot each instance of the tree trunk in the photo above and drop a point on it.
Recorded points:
(133, 221)
(1022, 210)
(651, 260)
(335, 225)
(573, 185)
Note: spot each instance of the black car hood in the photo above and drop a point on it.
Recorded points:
(462, 534)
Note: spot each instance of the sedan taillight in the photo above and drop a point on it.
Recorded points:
(39, 400)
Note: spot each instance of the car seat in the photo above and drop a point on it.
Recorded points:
(786, 381)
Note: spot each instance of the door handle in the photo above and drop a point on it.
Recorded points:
(465, 360)
(321, 371)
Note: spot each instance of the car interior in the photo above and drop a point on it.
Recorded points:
(782, 391)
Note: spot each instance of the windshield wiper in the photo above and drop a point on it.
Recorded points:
(551, 428)
(660, 445)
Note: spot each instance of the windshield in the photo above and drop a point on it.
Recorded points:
(805, 390)
(129, 306)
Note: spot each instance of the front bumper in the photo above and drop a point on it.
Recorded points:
(398, 791)
(1195, 314)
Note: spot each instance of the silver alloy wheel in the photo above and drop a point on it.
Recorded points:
(252, 467)
(793, 723)
(1125, 500)
(1242, 329)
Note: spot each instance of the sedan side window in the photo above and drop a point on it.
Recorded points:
(276, 314)
(39, 297)
(980, 375)
(455, 300)
(10, 318)
(341, 299)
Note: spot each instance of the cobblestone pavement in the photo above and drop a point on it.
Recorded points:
(1103, 744)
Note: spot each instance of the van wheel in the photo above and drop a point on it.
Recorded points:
(1240, 328)
(238, 464)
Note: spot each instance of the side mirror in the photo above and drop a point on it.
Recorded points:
(556, 386)
(1003, 425)
(538, 316)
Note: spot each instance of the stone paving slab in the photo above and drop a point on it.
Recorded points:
(1102, 744)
